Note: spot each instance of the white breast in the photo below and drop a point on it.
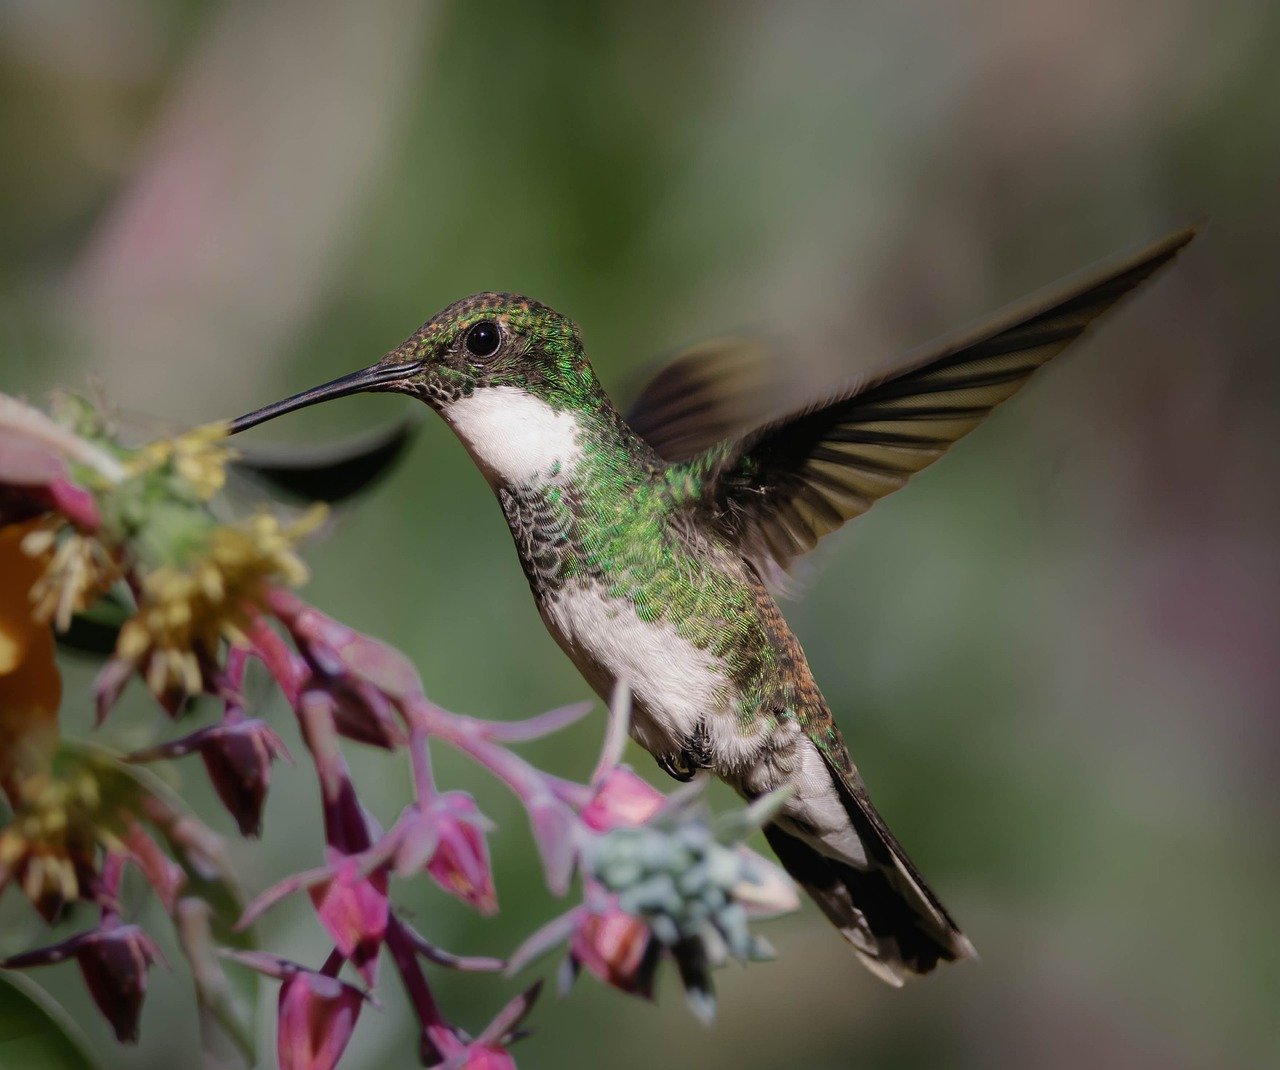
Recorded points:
(514, 437)
(675, 686)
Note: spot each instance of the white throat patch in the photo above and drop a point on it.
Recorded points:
(514, 437)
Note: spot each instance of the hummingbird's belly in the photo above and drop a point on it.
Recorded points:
(678, 691)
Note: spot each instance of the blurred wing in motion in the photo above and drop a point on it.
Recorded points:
(777, 490)
(329, 472)
(712, 391)
(333, 472)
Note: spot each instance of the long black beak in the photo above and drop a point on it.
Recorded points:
(373, 378)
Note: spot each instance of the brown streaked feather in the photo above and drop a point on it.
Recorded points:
(778, 489)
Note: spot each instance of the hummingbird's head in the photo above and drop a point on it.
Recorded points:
(501, 368)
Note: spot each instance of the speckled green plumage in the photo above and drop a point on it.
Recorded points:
(646, 554)
(628, 533)
(558, 373)
(625, 518)
(620, 509)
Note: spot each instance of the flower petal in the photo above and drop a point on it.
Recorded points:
(353, 909)
(316, 1017)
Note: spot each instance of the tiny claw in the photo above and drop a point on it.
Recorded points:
(677, 766)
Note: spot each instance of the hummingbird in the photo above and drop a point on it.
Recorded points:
(651, 542)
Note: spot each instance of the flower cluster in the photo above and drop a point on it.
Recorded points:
(661, 880)
(83, 523)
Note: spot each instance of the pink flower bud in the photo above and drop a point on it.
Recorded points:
(317, 1012)
(353, 909)
(114, 960)
(615, 946)
(363, 713)
(334, 647)
(237, 755)
(238, 758)
(489, 1050)
(486, 1058)
(460, 863)
(382, 666)
(317, 1015)
(164, 875)
(621, 799)
(115, 968)
(75, 503)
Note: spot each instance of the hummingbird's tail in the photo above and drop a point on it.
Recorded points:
(886, 911)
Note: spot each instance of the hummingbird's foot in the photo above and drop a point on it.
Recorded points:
(685, 764)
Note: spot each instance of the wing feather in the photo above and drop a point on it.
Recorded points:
(778, 489)
(712, 391)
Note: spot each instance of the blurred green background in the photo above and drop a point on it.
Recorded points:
(1054, 656)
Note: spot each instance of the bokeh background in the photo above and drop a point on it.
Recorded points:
(1054, 655)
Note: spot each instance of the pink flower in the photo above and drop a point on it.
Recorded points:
(482, 1058)
(353, 909)
(336, 647)
(349, 891)
(446, 837)
(488, 1051)
(238, 758)
(361, 676)
(114, 960)
(621, 799)
(618, 949)
(237, 755)
(615, 946)
(33, 470)
(362, 712)
(317, 1013)
(459, 861)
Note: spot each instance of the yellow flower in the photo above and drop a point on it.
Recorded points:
(198, 456)
(79, 571)
(52, 838)
(38, 846)
(185, 611)
(30, 685)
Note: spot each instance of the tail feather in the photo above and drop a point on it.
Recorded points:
(886, 911)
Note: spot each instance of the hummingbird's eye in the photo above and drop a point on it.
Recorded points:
(483, 339)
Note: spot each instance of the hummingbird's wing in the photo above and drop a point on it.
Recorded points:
(712, 391)
(778, 489)
(329, 472)
(303, 473)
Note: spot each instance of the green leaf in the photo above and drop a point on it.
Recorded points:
(35, 1032)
